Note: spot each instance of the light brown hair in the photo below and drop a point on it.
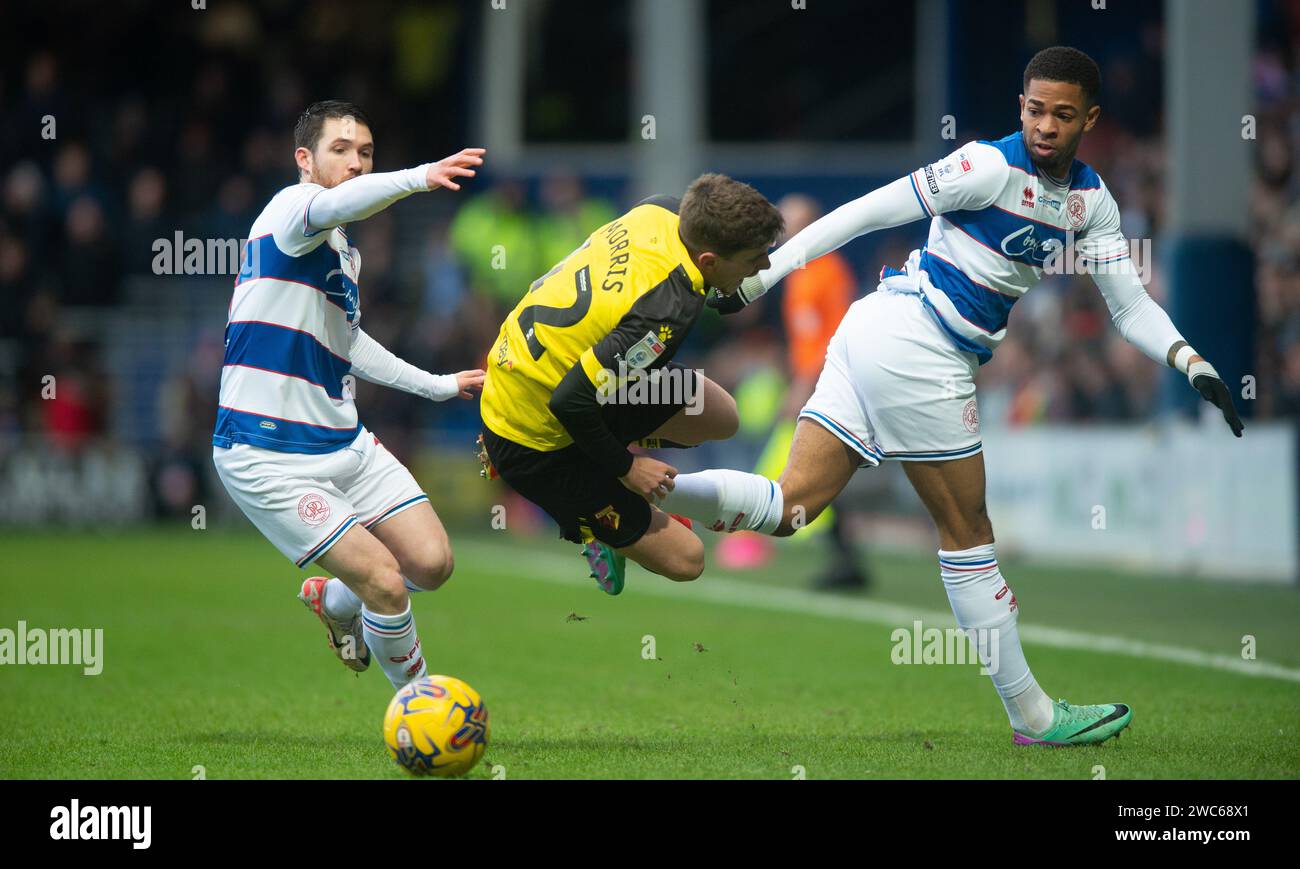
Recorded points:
(725, 216)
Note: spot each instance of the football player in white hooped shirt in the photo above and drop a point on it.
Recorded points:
(899, 376)
(288, 445)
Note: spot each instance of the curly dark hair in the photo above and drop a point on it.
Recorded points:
(725, 216)
(1069, 65)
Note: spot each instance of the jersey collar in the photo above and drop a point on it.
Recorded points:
(684, 257)
(1059, 182)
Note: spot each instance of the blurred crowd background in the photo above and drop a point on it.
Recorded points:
(169, 120)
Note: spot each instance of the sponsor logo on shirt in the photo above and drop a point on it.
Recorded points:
(645, 351)
(1027, 198)
(1024, 243)
(929, 180)
(955, 168)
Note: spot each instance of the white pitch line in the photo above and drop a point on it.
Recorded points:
(554, 568)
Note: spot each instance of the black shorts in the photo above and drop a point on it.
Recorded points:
(579, 496)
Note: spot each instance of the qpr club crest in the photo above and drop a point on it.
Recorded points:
(313, 509)
(970, 417)
(1076, 209)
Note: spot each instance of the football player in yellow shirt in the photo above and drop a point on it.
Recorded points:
(581, 370)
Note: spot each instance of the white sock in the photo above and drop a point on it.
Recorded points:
(342, 603)
(393, 642)
(339, 601)
(726, 500)
(984, 604)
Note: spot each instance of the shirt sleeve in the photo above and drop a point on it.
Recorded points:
(1104, 252)
(645, 339)
(300, 214)
(1101, 241)
(287, 214)
(373, 362)
(882, 208)
(969, 178)
(360, 197)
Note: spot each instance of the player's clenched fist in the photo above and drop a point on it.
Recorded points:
(458, 165)
(649, 478)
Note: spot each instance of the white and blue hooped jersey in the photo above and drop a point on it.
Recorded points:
(293, 317)
(998, 221)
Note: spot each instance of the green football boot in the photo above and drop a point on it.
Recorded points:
(1079, 725)
(607, 566)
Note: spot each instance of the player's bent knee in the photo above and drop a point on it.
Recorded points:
(386, 592)
(726, 420)
(681, 563)
(687, 569)
(431, 569)
(690, 563)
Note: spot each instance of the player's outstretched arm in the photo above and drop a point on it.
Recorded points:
(1143, 323)
(1147, 326)
(360, 197)
(375, 363)
(885, 207)
(969, 177)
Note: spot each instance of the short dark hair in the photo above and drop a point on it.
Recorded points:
(725, 216)
(311, 123)
(1069, 65)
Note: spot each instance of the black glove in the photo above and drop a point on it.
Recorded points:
(726, 304)
(1215, 391)
(749, 290)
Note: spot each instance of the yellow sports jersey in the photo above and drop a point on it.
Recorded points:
(626, 298)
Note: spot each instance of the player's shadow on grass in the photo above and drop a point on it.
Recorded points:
(612, 742)
(845, 743)
(254, 739)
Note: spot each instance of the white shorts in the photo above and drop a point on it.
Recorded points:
(894, 386)
(304, 503)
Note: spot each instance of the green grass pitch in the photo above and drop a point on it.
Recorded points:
(209, 661)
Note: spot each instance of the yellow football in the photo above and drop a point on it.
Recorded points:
(436, 725)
